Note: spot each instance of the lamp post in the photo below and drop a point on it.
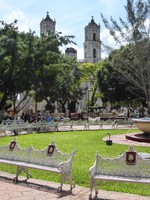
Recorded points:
(128, 114)
(36, 99)
(89, 90)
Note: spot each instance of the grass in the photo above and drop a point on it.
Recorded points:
(87, 143)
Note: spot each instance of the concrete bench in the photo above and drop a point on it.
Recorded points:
(50, 159)
(129, 167)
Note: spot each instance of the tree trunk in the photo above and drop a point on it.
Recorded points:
(148, 108)
(3, 101)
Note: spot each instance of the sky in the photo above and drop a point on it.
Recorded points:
(71, 16)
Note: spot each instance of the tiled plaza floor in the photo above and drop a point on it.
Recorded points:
(44, 190)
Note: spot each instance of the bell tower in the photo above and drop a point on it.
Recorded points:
(92, 44)
(47, 25)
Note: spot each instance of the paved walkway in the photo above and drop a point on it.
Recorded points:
(44, 190)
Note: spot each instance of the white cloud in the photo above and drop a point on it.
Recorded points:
(16, 15)
(24, 23)
(23, 28)
(80, 51)
(147, 24)
(107, 39)
(104, 55)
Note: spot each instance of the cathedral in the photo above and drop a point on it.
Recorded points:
(92, 54)
(92, 43)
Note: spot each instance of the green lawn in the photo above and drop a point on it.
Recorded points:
(87, 143)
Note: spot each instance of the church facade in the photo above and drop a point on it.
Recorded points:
(92, 44)
(92, 54)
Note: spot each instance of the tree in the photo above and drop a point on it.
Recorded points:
(69, 89)
(103, 81)
(16, 64)
(56, 76)
(29, 63)
(89, 75)
(46, 57)
(60, 83)
(132, 61)
(114, 89)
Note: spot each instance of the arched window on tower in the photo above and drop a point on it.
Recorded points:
(94, 36)
(94, 53)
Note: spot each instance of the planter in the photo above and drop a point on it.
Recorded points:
(109, 142)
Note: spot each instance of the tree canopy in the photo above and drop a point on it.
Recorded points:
(89, 76)
(31, 63)
(132, 60)
(16, 62)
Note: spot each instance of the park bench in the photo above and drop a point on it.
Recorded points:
(81, 123)
(94, 122)
(131, 167)
(71, 124)
(118, 123)
(8, 125)
(18, 126)
(49, 159)
(66, 123)
(43, 126)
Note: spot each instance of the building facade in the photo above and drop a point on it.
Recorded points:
(71, 52)
(92, 44)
